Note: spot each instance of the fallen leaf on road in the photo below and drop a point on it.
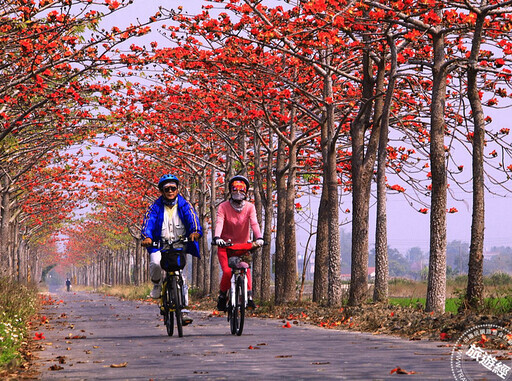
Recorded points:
(287, 325)
(61, 359)
(122, 365)
(78, 337)
(399, 370)
(283, 356)
(321, 363)
(55, 367)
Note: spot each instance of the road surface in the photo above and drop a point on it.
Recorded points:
(96, 337)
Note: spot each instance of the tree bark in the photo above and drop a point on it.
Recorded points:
(475, 287)
(330, 180)
(266, 270)
(436, 288)
(362, 172)
(214, 263)
(321, 278)
(380, 291)
(258, 202)
(290, 254)
(280, 233)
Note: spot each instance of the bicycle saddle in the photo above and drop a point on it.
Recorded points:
(237, 263)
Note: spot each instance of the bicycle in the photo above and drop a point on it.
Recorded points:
(172, 298)
(237, 296)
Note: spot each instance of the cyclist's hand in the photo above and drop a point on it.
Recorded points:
(220, 242)
(194, 236)
(147, 242)
(259, 242)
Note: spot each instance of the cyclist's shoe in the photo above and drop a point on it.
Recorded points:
(185, 319)
(250, 304)
(156, 292)
(221, 303)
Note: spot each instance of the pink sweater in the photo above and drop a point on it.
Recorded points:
(234, 226)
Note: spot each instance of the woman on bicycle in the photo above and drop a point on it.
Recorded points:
(169, 217)
(234, 219)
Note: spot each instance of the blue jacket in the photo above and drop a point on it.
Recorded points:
(154, 218)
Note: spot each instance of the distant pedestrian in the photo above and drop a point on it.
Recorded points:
(68, 284)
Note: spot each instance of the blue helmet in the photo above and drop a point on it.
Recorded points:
(166, 179)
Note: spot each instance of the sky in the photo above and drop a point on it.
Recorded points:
(406, 226)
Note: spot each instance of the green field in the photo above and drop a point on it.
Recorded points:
(500, 305)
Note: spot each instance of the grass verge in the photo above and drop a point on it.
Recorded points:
(452, 304)
(18, 304)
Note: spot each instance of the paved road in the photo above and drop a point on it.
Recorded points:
(88, 333)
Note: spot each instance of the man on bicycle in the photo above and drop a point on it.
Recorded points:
(169, 217)
(234, 218)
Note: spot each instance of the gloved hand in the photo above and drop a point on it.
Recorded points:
(147, 242)
(220, 242)
(259, 242)
(194, 236)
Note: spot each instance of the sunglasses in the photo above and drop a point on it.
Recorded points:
(170, 189)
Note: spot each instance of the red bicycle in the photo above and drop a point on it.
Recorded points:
(237, 296)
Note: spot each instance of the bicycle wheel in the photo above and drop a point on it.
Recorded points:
(232, 315)
(238, 308)
(168, 311)
(239, 315)
(176, 298)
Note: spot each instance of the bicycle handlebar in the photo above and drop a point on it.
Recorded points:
(237, 246)
(163, 242)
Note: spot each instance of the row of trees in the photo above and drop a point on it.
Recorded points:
(318, 97)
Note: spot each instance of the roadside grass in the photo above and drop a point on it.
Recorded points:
(126, 292)
(403, 292)
(452, 304)
(18, 304)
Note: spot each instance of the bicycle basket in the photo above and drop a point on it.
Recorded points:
(173, 261)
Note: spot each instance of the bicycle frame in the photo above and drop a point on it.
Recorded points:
(237, 300)
(172, 301)
(172, 297)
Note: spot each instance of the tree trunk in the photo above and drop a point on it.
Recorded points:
(4, 229)
(362, 171)
(330, 178)
(137, 266)
(290, 255)
(320, 281)
(436, 289)
(280, 234)
(214, 263)
(380, 291)
(266, 270)
(258, 202)
(475, 287)
(205, 252)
